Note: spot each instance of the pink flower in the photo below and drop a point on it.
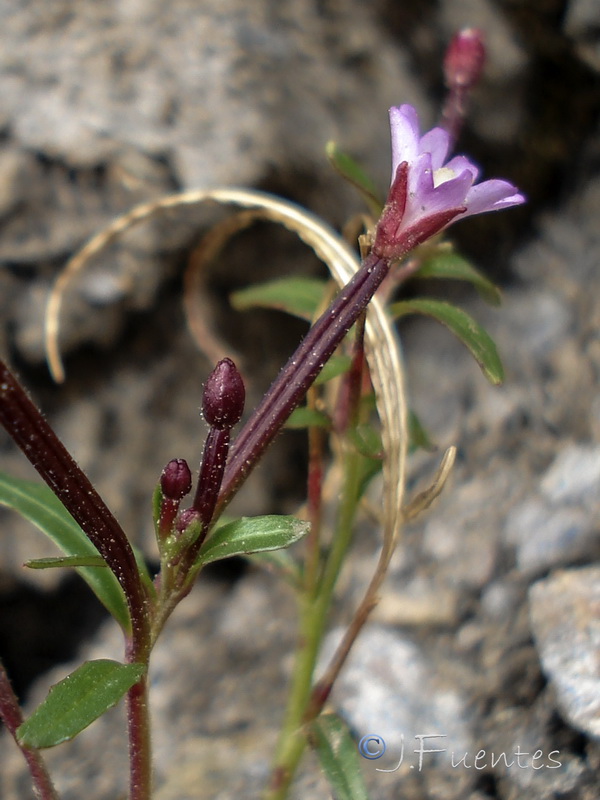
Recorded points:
(428, 192)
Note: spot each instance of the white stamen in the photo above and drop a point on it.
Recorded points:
(442, 175)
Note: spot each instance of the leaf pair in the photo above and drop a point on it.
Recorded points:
(37, 503)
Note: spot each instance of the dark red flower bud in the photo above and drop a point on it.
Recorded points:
(224, 395)
(186, 518)
(464, 59)
(176, 479)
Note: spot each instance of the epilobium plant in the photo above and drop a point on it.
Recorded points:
(430, 189)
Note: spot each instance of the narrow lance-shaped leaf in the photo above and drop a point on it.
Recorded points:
(66, 561)
(37, 503)
(418, 436)
(305, 417)
(336, 366)
(252, 535)
(338, 756)
(349, 169)
(296, 295)
(34, 436)
(77, 701)
(443, 263)
(281, 563)
(463, 326)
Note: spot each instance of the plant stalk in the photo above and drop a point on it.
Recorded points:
(299, 373)
(140, 750)
(32, 433)
(11, 715)
(314, 617)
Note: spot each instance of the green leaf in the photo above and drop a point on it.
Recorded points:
(295, 295)
(144, 571)
(463, 326)
(281, 563)
(338, 755)
(77, 701)
(252, 535)
(354, 173)
(417, 435)
(337, 365)
(37, 503)
(446, 264)
(66, 561)
(305, 417)
(367, 440)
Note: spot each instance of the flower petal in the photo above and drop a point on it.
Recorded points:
(404, 124)
(492, 195)
(459, 163)
(428, 200)
(437, 142)
(428, 194)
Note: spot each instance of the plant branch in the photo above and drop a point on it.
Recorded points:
(10, 713)
(299, 373)
(140, 752)
(32, 433)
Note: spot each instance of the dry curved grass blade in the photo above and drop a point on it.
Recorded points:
(205, 253)
(383, 347)
(424, 499)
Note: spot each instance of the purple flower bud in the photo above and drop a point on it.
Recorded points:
(464, 59)
(176, 479)
(224, 395)
(186, 518)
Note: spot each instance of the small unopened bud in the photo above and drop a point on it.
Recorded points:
(187, 518)
(464, 59)
(176, 479)
(224, 395)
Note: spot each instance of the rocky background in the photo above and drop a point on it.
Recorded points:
(488, 632)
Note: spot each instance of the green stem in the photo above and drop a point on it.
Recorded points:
(314, 615)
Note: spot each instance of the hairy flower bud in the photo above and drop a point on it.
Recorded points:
(176, 479)
(464, 59)
(187, 518)
(224, 395)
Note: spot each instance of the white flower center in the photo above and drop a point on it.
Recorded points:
(442, 175)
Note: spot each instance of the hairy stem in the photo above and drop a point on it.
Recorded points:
(140, 751)
(10, 714)
(299, 373)
(32, 433)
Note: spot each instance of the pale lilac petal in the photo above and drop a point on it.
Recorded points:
(432, 193)
(451, 194)
(424, 199)
(420, 176)
(460, 163)
(436, 142)
(404, 123)
(492, 195)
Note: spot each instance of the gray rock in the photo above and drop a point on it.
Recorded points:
(548, 536)
(581, 23)
(389, 689)
(559, 526)
(564, 611)
(222, 89)
(574, 477)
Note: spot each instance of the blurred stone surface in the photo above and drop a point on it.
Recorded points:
(565, 618)
(106, 106)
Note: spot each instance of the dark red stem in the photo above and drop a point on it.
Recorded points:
(32, 433)
(212, 469)
(350, 390)
(299, 373)
(10, 714)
